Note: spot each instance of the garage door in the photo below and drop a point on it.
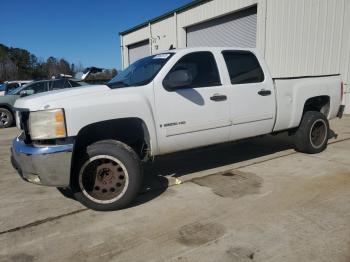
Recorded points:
(237, 29)
(137, 51)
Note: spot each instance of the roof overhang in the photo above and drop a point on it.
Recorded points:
(166, 15)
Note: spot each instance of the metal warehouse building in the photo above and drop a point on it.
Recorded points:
(296, 37)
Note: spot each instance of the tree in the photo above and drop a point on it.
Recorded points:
(79, 68)
(51, 67)
(64, 67)
(8, 69)
(17, 63)
(72, 68)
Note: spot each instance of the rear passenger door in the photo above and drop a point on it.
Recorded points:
(252, 98)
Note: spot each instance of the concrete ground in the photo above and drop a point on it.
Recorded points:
(256, 200)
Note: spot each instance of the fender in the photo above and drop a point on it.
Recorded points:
(7, 106)
(292, 95)
(89, 105)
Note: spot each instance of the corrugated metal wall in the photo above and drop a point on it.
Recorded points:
(163, 34)
(305, 37)
(130, 39)
(138, 51)
(237, 29)
(297, 37)
(172, 30)
(214, 9)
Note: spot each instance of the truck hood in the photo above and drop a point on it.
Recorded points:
(43, 100)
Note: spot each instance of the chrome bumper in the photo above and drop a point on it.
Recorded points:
(46, 165)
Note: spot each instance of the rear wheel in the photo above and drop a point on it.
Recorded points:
(312, 134)
(109, 178)
(6, 118)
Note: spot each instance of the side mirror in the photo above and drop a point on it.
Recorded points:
(26, 93)
(178, 79)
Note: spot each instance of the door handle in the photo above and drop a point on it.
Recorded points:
(218, 98)
(264, 92)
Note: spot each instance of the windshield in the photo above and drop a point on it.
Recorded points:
(2, 87)
(141, 72)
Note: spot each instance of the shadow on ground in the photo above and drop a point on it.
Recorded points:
(180, 164)
(183, 163)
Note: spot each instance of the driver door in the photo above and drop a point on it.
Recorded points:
(195, 114)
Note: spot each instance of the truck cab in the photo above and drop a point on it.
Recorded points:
(208, 108)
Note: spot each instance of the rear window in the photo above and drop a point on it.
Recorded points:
(60, 84)
(74, 84)
(243, 67)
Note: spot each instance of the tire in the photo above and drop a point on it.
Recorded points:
(312, 134)
(109, 177)
(66, 191)
(6, 118)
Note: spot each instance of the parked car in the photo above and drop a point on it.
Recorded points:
(2, 89)
(10, 85)
(93, 139)
(7, 101)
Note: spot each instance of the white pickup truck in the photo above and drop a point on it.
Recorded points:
(92, 139)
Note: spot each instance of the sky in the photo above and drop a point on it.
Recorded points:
(79, 31)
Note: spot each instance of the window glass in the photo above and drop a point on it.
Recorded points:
(140, 72)
(58, 84)
(202, 67)
(16, 90)
(66, 84)
(37, 87)
(243, 67)
(74, 84)
(11, 87)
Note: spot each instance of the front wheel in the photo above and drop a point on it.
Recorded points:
(109, 177)
(312, 134)
(6, 118)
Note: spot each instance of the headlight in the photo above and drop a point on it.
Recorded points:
(18, 121)
(47, 124)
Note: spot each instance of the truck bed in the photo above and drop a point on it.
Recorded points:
(292, 94)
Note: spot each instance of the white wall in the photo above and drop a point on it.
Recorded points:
(214, 9)
(163, 34)
(297, 38)
(132, 38)
(172, 30)
(309, 37)
(305, 37)
(345, 66)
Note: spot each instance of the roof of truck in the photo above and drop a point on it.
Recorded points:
(19, 81)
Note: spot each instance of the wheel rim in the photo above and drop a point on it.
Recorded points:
(103, 179)
(318, 133)
(4, 118)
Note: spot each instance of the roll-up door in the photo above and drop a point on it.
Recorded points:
(237, 30)
(138, 50)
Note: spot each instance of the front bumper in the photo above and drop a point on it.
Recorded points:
(44, 165)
